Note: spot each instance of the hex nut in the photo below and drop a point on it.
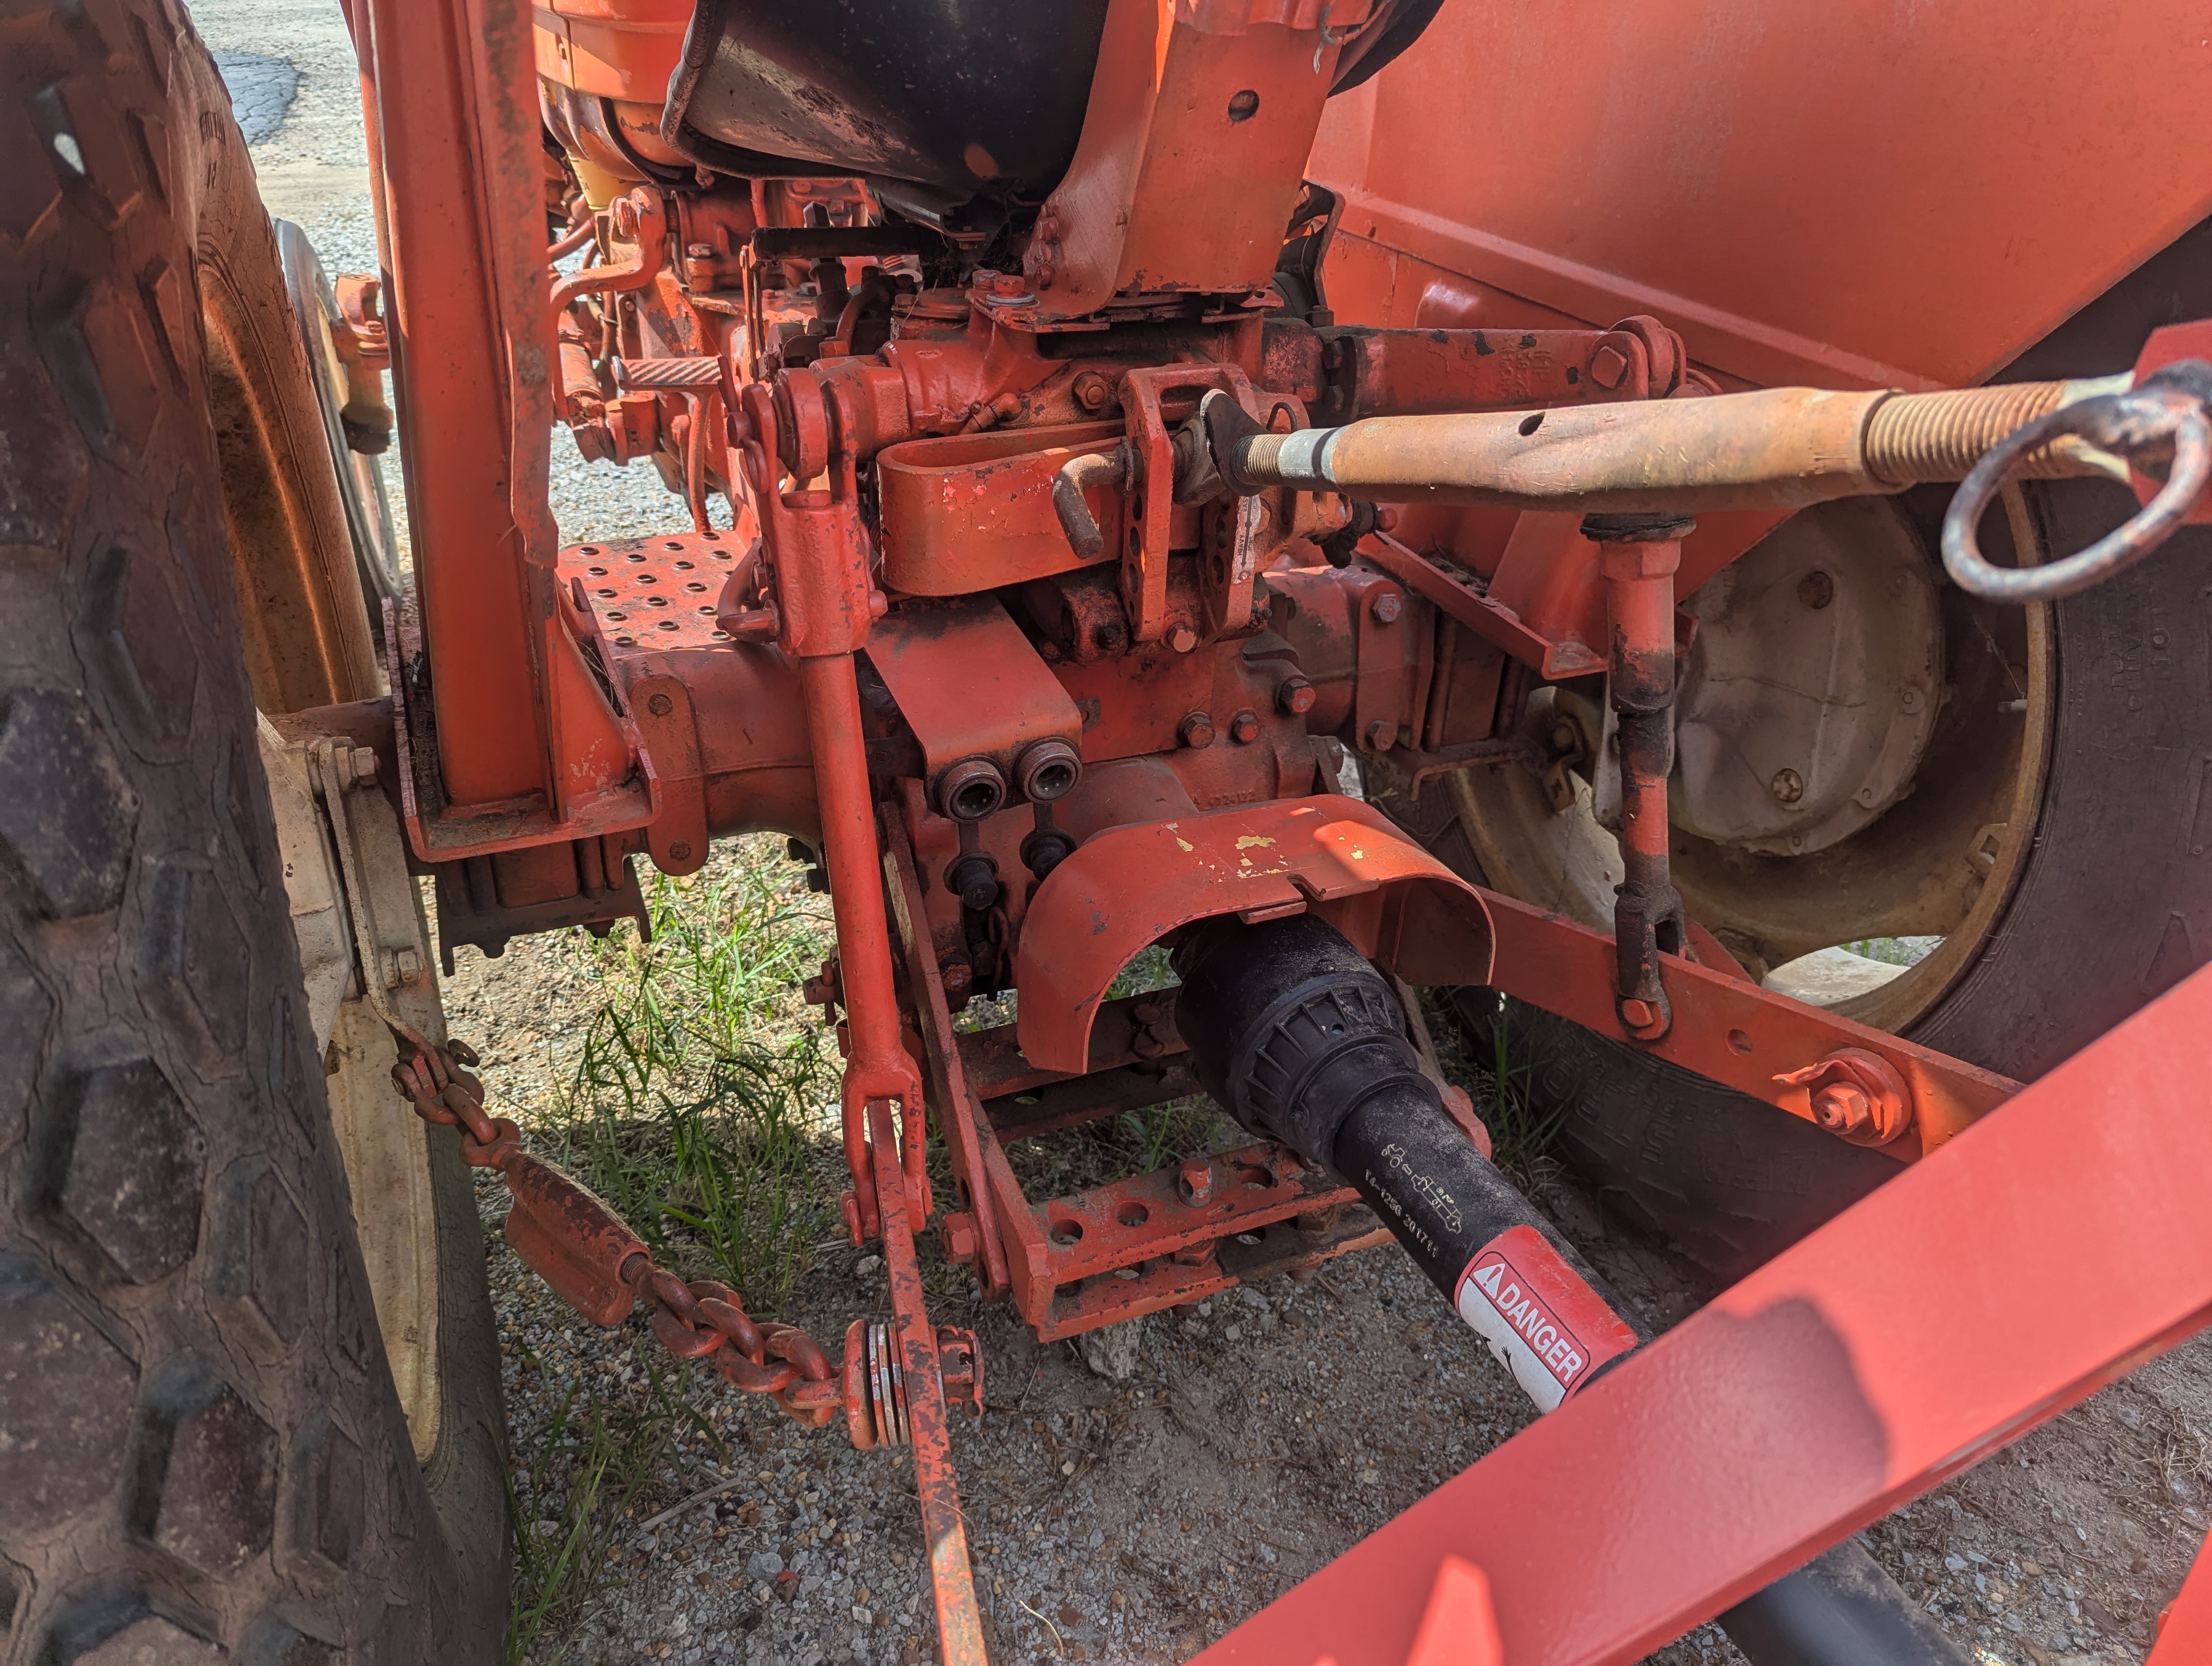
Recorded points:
(1385, 606)
(1609, 365)
(1195, 1181)
(1843, 1109)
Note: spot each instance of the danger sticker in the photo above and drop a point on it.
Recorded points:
(1543, 1323)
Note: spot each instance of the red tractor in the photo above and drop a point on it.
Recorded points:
(1360, 495)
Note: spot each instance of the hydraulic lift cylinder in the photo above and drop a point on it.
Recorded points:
(1303, 1040)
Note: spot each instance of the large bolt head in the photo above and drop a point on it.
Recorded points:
(1385, 606)
(1295, 696)
(1194, 1181)
(1196, 729)
(1843, 1109)
(1244, 727)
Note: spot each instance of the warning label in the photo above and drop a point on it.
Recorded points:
(1543, 1323)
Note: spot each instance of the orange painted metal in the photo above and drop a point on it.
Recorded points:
(615, 49)
(654, 593)
(1482, 613)
(447, 330)
(2059, 1244)
(1763, 180)
(970, 684)
(1459, 1628)
(974, 512)
(952, 1579)
(1188, 168)
(2185, 1629)
(1729, 1030)
(959, 1117)
(877, 1067)
(1127, 887)
(1145, 525)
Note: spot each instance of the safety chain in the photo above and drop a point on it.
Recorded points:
(594, 1262)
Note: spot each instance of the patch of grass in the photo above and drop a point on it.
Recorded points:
(567, 1505)
(1485, 1051)
(1895, 951)
(701, 1095)
(700, 1091)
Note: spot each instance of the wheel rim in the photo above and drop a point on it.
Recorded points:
(1933, 851)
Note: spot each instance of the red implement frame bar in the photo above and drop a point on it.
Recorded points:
(1766, 188)
(1819, 1395)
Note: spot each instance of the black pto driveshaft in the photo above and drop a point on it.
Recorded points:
(1299, 1035)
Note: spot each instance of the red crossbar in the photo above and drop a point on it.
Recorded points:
(2048, 1250)
(2185, 1630)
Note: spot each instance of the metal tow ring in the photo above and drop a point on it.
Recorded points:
(2164, 417)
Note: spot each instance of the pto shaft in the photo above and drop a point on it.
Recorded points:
(1293, 1030)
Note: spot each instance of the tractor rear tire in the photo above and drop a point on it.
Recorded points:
(203, 1456)
(2113, 906)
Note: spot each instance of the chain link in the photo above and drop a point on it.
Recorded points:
(701, 1320)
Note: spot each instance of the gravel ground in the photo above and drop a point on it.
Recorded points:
(1137, 1519)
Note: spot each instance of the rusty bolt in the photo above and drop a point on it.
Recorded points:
(1244, 727)
(1295, 696)
(680, 850)
(958, 977)
(1816, 590)
(1382, 735)
(1843, 1109)
(1181, 638)
(660, 705)
(1855, 1094)
(1195, 1181)
(957, 1232)
(1607, 366)
(1385, 607)
(1195, 730)
(1788, 786)
(364, 763)
(1092, 390)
